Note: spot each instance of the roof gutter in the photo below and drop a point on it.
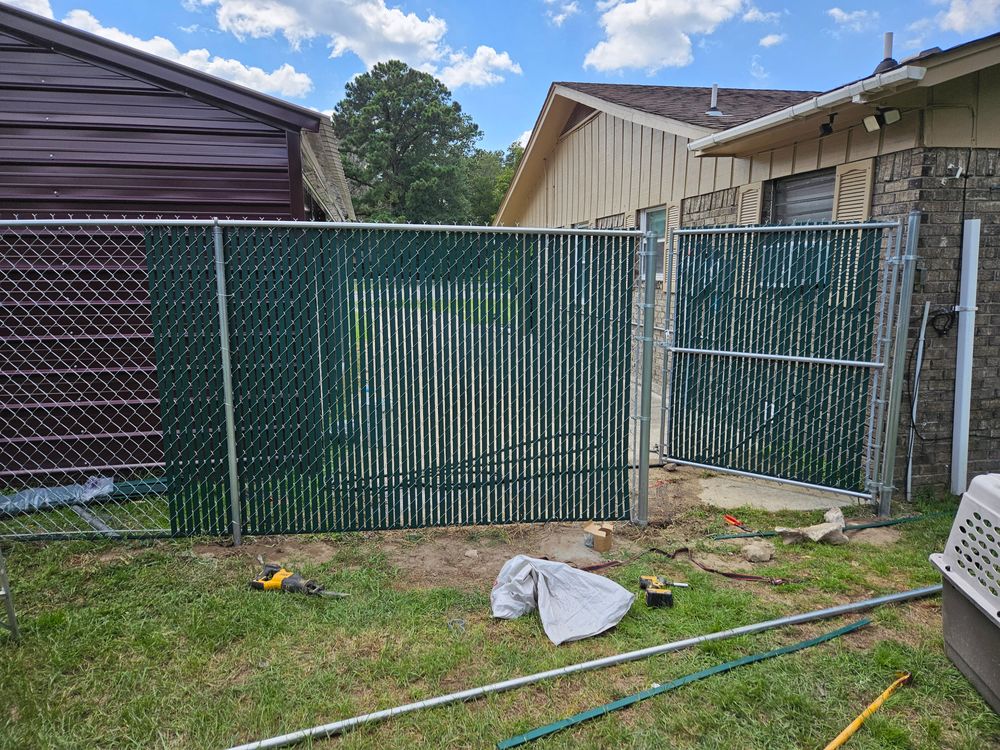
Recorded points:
(845, 94)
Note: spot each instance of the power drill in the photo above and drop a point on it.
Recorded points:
(657, 593)
(276, 578)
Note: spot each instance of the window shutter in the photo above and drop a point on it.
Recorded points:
(748, 204)
(673, 222)
(852, 193)
(673, 217)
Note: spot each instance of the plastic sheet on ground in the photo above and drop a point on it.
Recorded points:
(572, 604)
(47, 498)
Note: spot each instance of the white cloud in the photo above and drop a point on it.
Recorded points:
(654, 34)
(367, 28)
(41, 7)
(969, 15)
(753, 14)
(757, 70)
(524, 138)
(478, 70)
(772, 39)
(854, 20)
(284, 80)
(558, 11)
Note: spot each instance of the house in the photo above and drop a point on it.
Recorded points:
(92, 128)
(917, 134)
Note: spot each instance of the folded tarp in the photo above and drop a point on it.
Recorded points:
(571, 603)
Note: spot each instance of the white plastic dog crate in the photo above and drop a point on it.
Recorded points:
(970, 568)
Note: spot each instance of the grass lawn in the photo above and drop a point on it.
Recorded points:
(163, 645)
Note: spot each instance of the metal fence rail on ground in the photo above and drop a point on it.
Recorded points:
(172, 377)
(780, 350)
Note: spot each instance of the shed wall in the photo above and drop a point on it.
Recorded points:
(77, 138)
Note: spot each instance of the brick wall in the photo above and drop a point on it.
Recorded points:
(924, 179)
(711, 209)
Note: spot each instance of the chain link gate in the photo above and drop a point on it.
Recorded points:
(319, 377)
(783, 360)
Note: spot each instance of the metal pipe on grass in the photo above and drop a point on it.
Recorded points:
(337, 727)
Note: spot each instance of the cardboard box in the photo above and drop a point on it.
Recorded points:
(598, 536)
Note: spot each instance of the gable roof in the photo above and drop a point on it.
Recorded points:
(165, 73)
(688, 104)
(323, 172)
(679, 110)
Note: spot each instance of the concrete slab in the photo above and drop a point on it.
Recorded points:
(730, 491)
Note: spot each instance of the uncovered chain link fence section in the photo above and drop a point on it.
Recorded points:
(168, 377)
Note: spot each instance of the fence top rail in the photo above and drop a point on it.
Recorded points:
(264, 223)
(791, 228)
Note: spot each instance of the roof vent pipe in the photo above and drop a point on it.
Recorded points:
(713, 110)
(888, 63)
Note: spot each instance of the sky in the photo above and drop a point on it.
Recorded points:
(499, 58)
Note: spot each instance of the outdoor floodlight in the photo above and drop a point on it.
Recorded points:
(881, 118)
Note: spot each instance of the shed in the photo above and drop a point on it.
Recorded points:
(92, 128)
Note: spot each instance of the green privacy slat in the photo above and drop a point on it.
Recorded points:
(185, 328)
(652, 692)
(393, 379)
(812, 294)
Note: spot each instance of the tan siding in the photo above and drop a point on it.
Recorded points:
(760, 167)
(781, 162)
(741, 172)
(833, 149)
(806, 157)
(608, 166)
(863, 145)
(655, 166)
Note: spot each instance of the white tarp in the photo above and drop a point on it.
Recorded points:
(572, 604)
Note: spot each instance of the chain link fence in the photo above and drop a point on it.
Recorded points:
(782, 351)
(179, 378)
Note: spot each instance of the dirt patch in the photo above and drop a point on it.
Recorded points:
(881, 536)
(280, 550)
(470, 558)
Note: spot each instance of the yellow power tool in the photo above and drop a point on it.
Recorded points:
(276, 578)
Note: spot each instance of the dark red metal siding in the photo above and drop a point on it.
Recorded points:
(78, 393)
(78, 139)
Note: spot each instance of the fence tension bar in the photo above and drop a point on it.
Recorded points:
(909, 261)
(648, 254)
(236, 515)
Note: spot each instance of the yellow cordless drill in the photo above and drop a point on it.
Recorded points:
(276, 578)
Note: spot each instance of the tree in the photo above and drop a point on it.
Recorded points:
(489, 174)
(405, 145)
(483, 169)
(511, 161)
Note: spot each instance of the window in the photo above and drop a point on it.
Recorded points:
(655, 220)
(803, 198)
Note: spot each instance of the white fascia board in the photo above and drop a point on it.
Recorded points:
(638, 116)
(835, 98)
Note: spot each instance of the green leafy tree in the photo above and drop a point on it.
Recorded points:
(511, 161)
(483, 169)
(405, 144)
(489, 174)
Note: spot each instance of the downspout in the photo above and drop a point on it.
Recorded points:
(966, 310)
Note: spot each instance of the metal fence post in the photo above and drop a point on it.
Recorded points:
(647, 255)
(227, 384)
(909, 261)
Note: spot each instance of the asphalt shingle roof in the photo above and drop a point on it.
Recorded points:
(689, 103)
